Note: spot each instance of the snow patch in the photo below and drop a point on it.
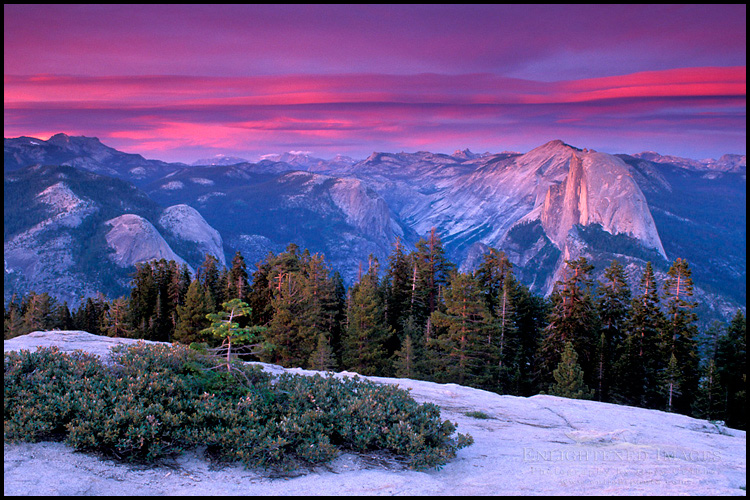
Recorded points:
(206, 197)
(173, 185)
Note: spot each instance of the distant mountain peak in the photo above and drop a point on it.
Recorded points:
(219, 160)
(557, 145)
(60, 137)
(727, 163)
(64, 140)
(464, 154)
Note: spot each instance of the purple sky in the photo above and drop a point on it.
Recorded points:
(184, 82)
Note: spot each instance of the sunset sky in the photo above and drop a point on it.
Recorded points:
(178, 83)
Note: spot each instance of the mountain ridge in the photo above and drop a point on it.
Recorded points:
(552, 203)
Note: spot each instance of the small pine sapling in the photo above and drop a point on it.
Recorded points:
(225, 326)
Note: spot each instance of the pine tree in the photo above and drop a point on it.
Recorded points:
(304, 304)
(398, 279)
(614, 309)
(63, 318)
(237, 284)
(678, 334)
(430, 275)
(319, 304)
(278, 291)
(13, 324)
(225, 325)
(191, 317)
(315, 308)
(166, 276)
(116, 319)
(731, 367)
(367, 331)
(338, 311)
(37, 310)
(405, 359)
(260, 295)
(464, 348)
(569, 377)
(495, 278)
(509, 352)
(143, 300)
(322, 358)
(177, 289)
(530, 319)
(671, 382)
(573, 318)
(289, 341)
(637, 365)
(209, 275)
(491, 276)
(709, 402)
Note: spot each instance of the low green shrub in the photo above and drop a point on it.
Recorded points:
(477, 414)
(39, 392)
(157, 400)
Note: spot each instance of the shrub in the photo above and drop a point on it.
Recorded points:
(158, 400)
(477, 414)
(38, 392)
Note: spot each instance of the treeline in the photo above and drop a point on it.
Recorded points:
(417, 316)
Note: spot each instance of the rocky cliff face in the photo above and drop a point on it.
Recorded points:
(365, 209)
(476, 202)
(136, 240)
(41, 236)
(185, 223)
(598, 189)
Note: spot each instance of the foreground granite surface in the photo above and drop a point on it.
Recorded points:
(542, 445)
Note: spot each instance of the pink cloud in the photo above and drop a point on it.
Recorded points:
(356, 113)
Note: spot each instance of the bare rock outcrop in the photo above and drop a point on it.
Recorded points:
(542, 445)
(186, 223)
(598, 189)
(135, 239)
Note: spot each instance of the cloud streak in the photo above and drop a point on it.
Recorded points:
(352, 109)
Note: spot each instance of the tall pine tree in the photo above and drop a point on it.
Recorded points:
(367, 332)
(677, 338)
(614, 309)
(731, 367)
(573, 318)
(430, 275)
(634, 380)
(495, 278)
(398, 280)
(237, 284)
(191, 317)
(464, 347)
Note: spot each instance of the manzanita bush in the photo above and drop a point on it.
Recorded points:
(156, 401)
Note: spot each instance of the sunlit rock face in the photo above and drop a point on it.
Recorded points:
(598, 189)
(526, 204)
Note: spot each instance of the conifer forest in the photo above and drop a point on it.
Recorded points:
(416, 316)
